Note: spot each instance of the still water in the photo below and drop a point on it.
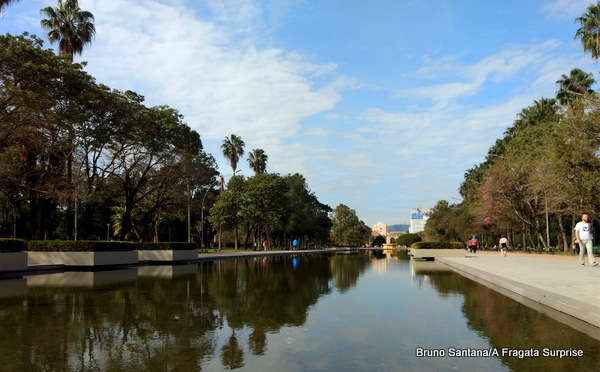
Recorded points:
(323, 312)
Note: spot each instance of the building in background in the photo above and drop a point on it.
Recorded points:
(379, 229)
(418, 219)
(393, 234)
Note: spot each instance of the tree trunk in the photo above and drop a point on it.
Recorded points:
(69, 214)
(236, 238)
(563, 234)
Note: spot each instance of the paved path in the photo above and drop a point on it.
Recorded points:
(250, 253)
(558, 283)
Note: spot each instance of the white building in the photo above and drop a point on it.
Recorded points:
(418, 219)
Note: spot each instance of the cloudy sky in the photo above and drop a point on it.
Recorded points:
(381, 104)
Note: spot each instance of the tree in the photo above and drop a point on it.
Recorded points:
(233, 149)
(408, 239)
(589, 32)
(37, 93)
(227, 212)
(128, 160)
(4, 3)
(257, 160)
(572, 88)
(347, 228)
(72, 27)
(266, 207)
(309, 219)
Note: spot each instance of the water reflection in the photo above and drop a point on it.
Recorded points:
(267, 314)
(509, 324)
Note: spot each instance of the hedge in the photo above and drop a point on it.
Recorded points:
(165, 246)
(103, 246)
(12, 245)
(438, 245)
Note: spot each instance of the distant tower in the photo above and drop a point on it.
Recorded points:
(418, 219)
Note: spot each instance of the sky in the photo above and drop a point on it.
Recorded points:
(382, 105)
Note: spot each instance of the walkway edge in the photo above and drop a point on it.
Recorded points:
(577, 309)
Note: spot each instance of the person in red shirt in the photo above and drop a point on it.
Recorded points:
(472, 244)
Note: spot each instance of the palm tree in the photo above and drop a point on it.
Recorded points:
(589, 32)
(4, 3)
(542, 111)
(72, 27)
(233, 148)
(572, 87)
(257, 160)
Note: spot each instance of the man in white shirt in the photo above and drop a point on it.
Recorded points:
(583, 233)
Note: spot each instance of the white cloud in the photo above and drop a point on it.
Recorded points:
(216, 73)
(495, 68)
(569, 9)
(220, 64)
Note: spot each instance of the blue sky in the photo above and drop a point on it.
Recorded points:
(382, 105)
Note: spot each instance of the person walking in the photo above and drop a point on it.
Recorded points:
(472, 244)
(503, 245)
(584, 233)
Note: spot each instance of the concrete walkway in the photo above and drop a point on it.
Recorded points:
(554, 284)
(202, 257)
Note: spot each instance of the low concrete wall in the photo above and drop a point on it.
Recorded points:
(433, 253)
(82, 258)
(13, 261)
(167, 255)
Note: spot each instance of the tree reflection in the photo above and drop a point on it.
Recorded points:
(157, 324)
(257, 342)
(510, 324)
(232, 356)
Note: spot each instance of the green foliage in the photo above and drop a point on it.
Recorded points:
(103, 246)
(71, 26)
(63, 137)
(308, 218)
(268, 206)
(546, 164)
(233, 149)
(12, 245)
(165, 246)
(588, 32)
(438, 245)
(257, 160)
(408, 239)
(79, 246)
(347, 229)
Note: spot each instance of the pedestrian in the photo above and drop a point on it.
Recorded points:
(584, 233)
(503, 245)
(472, 244)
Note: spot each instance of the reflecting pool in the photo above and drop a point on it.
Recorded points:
(363, 311)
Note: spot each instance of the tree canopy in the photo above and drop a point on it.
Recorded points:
(544, 171)
(129, 161)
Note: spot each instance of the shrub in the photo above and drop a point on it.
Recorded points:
(165, 246)
(79, 246)
(438, 245)
(104, 246)
(12, 245)
(408, 239)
